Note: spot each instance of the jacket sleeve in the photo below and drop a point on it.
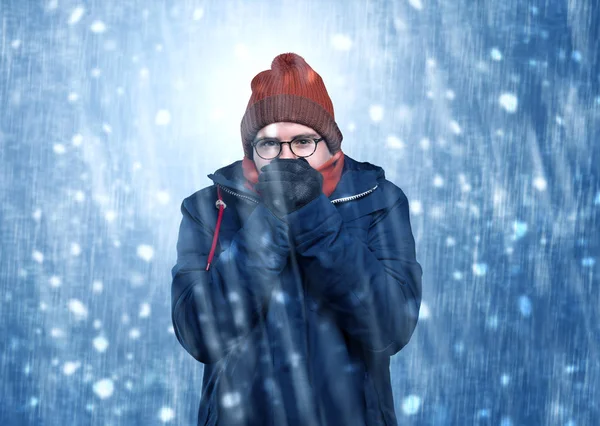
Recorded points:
(374, 289)
(213, 310)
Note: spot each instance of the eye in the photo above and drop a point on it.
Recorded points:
(267, 143)
(302, 141)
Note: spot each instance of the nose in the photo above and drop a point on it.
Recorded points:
(286, 152)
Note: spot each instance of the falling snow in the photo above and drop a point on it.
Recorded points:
(59, 148)
(78, 309)
(455, 127)
(71, 367)
(163, 117)
(520, 229)
(341, 42)
(104, 388)
(525, 306)
(417, 4)
(144, 310)
(55, 281)
(487, 117)
(393, 142)
(76, 15)
(98, 27)
(508, 101)
(231, 399)
(198, 14)
(411, 404)
(100, 343)
(166, 414)
(145, 252)
(376, 112)
(495, 54)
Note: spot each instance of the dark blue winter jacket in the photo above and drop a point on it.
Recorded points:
(296, 319)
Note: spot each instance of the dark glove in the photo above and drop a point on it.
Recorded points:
(286, 185)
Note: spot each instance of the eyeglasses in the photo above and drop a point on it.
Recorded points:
(301, 146)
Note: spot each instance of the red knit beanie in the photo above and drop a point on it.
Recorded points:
(290, 91)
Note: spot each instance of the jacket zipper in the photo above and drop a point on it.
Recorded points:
(336, 201)
(353, 197)
(229, 191)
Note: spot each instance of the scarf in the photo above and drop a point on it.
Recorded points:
(331, 171)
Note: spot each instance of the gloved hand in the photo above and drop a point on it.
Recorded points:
(286, 185)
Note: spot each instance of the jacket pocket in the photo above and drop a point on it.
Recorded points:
(374, 416)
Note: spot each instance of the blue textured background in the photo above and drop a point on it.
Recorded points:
(486, 113)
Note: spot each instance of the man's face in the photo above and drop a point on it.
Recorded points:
(285, 131)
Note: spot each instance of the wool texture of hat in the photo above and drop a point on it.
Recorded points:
(291, 91)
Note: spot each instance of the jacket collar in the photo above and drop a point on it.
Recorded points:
(232, 177)
(356, 178)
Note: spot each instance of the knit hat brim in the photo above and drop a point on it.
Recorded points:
(289, 108)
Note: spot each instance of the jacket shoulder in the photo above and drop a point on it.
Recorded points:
(355, 165)
(201, 203)
(208, 194)
(391, 192)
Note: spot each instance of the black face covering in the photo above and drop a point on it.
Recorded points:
(286, 185)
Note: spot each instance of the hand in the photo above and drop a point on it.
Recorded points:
(286, 185)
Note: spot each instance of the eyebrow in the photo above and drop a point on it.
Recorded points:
(302, 135)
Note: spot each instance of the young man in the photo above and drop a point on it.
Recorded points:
(296, 276)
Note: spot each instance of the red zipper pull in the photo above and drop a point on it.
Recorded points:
(220, 204)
